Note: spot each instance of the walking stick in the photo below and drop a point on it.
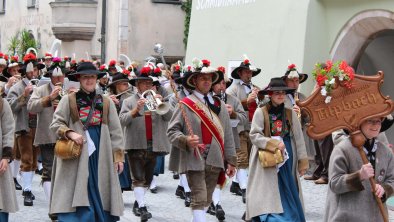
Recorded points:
(159, 49)
(358, 140)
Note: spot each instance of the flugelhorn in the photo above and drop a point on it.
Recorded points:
(63, 91)
(34, 82)
(155, 104)
(296, 98)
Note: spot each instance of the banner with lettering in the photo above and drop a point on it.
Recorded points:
(346, 107)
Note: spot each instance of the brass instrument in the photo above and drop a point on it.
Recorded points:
(34, 82)
(223, 96)
(155, 104)
(296, 98)
(62, 92)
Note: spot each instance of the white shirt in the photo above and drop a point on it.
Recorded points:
(247, 89)
(201, 96)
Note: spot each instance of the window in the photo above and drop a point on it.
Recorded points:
(32, 3)
(168, 1)
(2, 6)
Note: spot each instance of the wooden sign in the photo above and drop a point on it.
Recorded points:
(348, 107)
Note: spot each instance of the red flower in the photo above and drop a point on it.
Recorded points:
(112, 63)
(6, 57)
(73, 61)
(291, 67)
(222, 69)
(29, 57)
(157, 70)
(246, 62)
(189, 68)
(206, 62)
(82, 60)
(1, 55)
(348, 84)
(56, 60)
(66, 58)
(177, 68)
(14, 58)
(145, 70)
(126, 72)
(102, 68)
(48, 55)
(321, 79)
(328, 66)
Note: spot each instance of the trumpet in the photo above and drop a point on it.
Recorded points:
(296, 98)
(223, 96)
(62, 92)
(34, 82)
(155, 104)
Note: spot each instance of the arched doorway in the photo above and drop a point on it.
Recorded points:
(367, 42)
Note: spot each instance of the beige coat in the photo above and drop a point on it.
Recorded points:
(70, 177)
(177, 133)
(40, 103)
(349, 198)
(135, 130)
(8, 201)
(262, 193)
(239, 114)
(18, 104)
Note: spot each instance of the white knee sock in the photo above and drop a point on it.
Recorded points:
(199, 216)
(15, 165)
(153, 183)
(27, 179)
(216, 196)
(180, 180)
(47, 189)
(39, 165)
(185, 184)
(242, 175)
(235, 179)
(139, 193)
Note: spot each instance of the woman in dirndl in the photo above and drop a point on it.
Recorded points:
(87, 188)
(274, 193)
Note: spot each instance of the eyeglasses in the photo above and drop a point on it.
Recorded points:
(374, 122)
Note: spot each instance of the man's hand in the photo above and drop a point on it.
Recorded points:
(55, 92)
(366, 171)
(28, 90)
(379, 190)
(230, 109)
(230, 170)
(141, 103)
(253, 95)
(114, 99)
(11, 81)
(3, 165)
(192, 141)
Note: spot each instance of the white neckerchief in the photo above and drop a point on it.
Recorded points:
(374, 148)
(291, 99)
(247, 90)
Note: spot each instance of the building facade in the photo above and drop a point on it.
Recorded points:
(276, 33)
(73, 27)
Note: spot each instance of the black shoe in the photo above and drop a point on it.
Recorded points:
(244, 217)
(153, 190)
(220, 212)
(32, 195)
(188, 199)
(235, 189)
(145, 215)
(136, 209)
(211, 209)
(175, 176)
(180, 192)
(39, 172)
(28, 200)
(243, 195)
(17, 185)
(53, 217)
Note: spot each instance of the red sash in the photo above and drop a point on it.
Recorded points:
(211, 127)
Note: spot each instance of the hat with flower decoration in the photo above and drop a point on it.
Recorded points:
(201, 67)
(13, 61)
(3, 62)
(245, 64)
(85, 68)
(222, 76)
(112, 64)
(57, 68)
(144, 74)
(132, 69)
(118, 77)
(177, 73)
(292, 72)
(48, 55)
(29, 62)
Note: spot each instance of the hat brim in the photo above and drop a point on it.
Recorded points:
(235, 75)
(133, 81)
(386, 124)
(74, 76)
(117, 81)
(267, 91)
(303, 77)
(189, 84)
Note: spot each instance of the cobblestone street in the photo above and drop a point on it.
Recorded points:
(164, 206)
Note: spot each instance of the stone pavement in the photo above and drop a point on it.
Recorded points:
(166, 207)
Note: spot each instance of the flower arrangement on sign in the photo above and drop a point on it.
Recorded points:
(327, 73)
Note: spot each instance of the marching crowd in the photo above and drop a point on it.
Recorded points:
(97, 130)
